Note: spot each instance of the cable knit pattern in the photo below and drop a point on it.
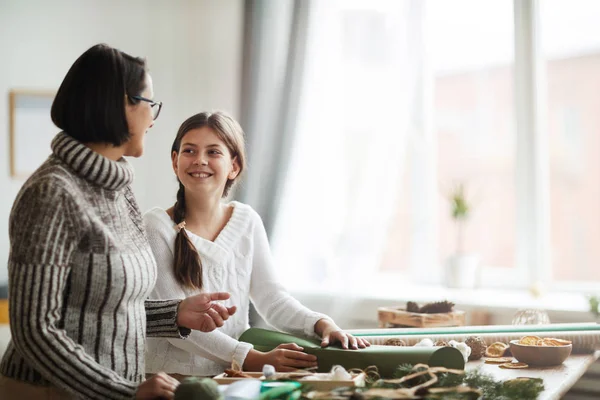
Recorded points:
(239, 262)
(80, 271)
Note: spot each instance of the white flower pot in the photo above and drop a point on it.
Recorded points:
(462, 271)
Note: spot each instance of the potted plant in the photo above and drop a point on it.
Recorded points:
(594, 302)
(461, 267)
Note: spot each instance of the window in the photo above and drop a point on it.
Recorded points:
(403, 100)
(472, 65)
(571, 50)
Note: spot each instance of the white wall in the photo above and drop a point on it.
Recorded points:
(194, 52)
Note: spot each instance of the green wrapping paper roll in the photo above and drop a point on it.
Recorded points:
(386, 358)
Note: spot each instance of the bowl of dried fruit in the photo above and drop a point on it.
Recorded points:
(534, 350)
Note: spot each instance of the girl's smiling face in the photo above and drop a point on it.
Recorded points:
(204, 163)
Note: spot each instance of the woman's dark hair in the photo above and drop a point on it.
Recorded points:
(90, 103)
(187, 264)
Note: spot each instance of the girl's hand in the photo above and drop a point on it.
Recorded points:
(287, 357)
(160, 386)
(330, 333)
(201, 313)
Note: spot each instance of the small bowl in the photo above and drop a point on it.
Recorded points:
(540, 355)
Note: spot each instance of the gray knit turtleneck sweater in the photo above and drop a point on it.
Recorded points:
(80, 270)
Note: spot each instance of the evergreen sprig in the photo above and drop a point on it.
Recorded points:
(521, 389)
(515, 389)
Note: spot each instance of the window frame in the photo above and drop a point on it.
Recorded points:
(534, 224)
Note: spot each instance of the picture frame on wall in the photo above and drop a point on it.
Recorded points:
(30, 130)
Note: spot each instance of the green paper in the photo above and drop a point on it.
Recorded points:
(386, 358)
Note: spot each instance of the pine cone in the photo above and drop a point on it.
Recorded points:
(394, 342)
(411, 306)
(477, 345)
(437, 307)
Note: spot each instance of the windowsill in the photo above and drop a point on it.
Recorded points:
(484, 298)
(500, 303)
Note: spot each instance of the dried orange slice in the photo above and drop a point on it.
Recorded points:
(557, 342)
(498, 360)
(514, 365)
(496, 349)
(529, 340)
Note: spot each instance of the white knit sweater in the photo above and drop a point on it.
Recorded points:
(239, 261)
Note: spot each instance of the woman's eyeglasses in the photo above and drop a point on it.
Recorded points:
(154, 105)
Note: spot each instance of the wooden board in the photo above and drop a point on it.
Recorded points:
(225, 380)
(396, 317)
(357, 380)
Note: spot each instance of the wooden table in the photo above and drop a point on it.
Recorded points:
(557, 380)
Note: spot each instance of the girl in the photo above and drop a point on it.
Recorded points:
(202, 244)
(80, 267)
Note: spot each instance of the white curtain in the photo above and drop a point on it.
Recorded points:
(359, 119)
(275, 33)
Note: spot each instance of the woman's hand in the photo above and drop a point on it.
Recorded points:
(158, 386)
(287, 357)
(331, 333)
(201, 313)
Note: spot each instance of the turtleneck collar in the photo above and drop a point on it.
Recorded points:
(92, 166)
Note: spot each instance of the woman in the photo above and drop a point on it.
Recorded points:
(203, 243)
(80, 266)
